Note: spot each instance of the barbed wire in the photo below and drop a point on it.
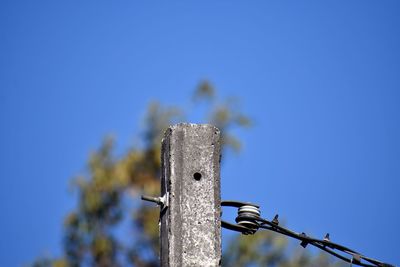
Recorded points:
(249, 221)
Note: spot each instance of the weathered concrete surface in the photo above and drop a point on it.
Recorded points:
(191, 225)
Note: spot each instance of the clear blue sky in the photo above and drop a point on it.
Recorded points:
(320, 78)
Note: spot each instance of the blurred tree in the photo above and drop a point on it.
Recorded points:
(108, 200)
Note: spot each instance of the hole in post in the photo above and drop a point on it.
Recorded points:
(197, 176)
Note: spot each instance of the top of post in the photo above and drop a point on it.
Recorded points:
(190, 126)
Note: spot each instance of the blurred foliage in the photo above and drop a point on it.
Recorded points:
(95, 233)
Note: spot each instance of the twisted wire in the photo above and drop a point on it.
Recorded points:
(249, 221)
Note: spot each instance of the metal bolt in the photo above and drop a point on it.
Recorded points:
(161, 201)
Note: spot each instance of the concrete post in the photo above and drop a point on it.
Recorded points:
(191, 223)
